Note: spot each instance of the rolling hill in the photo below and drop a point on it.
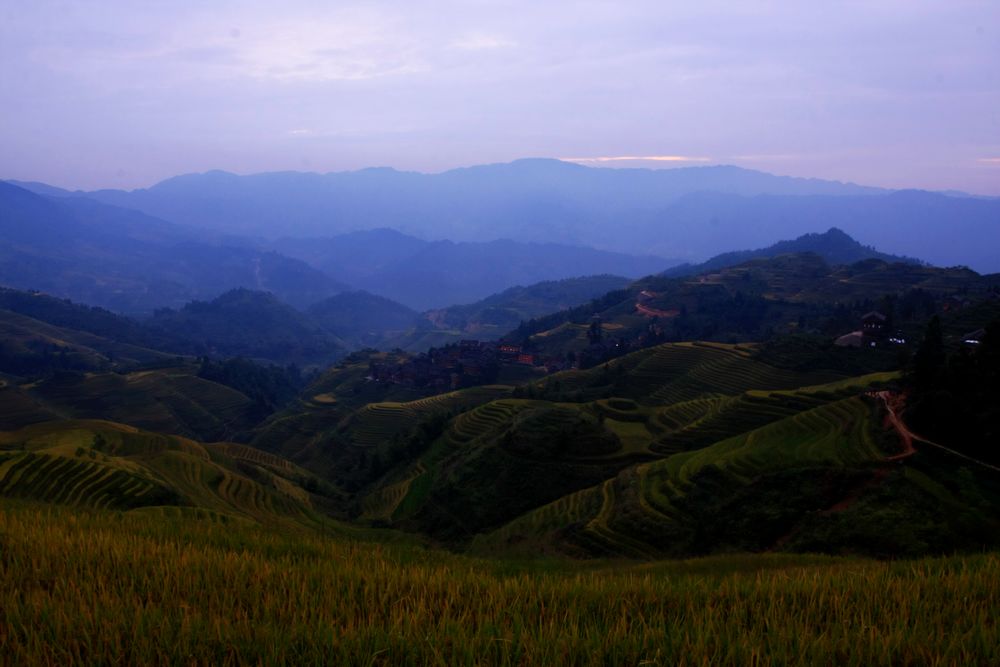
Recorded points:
(834, 246)
(247, 323)
(496, 315)
(758, 299)
(172, 399)
(106, 465)
(423, 274)
(362, 319)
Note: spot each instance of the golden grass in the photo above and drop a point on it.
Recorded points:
(121, 588)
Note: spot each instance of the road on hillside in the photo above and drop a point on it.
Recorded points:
(891, 400)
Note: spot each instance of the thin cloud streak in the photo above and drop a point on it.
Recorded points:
(636, 158)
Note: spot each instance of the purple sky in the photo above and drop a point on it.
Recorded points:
(116, 93)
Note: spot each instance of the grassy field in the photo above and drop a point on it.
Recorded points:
(82, 587)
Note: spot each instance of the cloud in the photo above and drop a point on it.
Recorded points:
(480, 42)
(768, 157)
(990, 160)
(637, 158)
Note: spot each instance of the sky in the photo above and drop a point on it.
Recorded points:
(124, 93)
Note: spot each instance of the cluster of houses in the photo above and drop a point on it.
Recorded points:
(465, 364)
(874, 331)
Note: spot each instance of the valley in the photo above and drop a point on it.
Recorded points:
(743, 424)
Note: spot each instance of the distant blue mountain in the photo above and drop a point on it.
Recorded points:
(127, 261)
(834, 246)
(435, 274)
(691, 213)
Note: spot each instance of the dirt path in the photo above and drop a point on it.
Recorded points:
(894, 404)
(892, 401)
(656, 312)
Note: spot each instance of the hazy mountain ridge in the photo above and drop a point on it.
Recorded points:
(496, 315)
(689, 213)
(834, 246)
(437, 274)
(363, 319)
(129, 262)
(945, 231)
(459, 199)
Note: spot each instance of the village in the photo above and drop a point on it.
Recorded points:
(465, 364)
(473, 362)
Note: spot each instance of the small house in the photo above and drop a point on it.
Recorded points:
(873, 324)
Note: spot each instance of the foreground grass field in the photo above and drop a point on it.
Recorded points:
(95, 587)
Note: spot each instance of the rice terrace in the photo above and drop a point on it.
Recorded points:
(500, 333)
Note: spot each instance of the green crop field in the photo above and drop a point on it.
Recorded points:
(107, 465)
(482, 442)
(376, 423)
(102, 587)
(645, 500)
(677, 372)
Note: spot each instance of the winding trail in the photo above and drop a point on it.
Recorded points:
(894, 403)
(656, 312)
(891, 400)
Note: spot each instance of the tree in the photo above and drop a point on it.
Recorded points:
(929, 360)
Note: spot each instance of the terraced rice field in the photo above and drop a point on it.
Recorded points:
(486, 419)
(700, 422)
(678, 372)
(107, 465)
(73, 481)
(702, 369)
(376, 423)
(732, 415)
(634, 436)
(383, 502)
(836, 434)
(253, 455)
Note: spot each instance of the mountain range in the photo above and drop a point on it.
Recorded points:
(435, 274)
(686, 213)
(128, 261)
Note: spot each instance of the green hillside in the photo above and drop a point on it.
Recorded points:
(788, 485)
(755, 301)
(577, 429)
(676, 372)
(361, 319)
(31, 347)
(248, 323)
(498, 314)
(169, 400)
(104, 465)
